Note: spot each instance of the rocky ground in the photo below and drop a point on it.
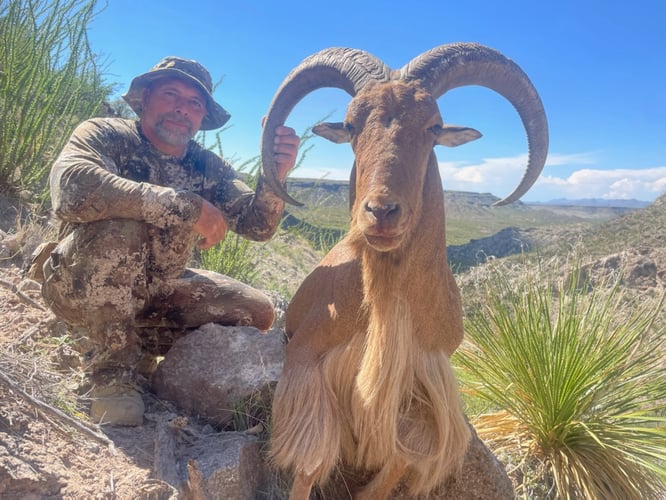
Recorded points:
(43, 454)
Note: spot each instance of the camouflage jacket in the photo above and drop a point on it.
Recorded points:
(109, 169)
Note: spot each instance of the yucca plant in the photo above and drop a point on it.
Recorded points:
(574, 371)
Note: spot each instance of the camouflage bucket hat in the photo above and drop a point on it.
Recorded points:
(183, 69)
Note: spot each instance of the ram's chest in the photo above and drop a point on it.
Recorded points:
(377, 362)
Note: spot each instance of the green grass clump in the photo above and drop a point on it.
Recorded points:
(234, 256)
(573, 371)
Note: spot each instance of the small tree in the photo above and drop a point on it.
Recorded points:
(49, 82)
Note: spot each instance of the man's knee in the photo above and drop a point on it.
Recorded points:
(98, 239)
(98, 263)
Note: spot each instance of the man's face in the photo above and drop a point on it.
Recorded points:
(172, 114)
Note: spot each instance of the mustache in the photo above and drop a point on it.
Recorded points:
(176, 117)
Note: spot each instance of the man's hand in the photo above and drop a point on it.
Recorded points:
(210, 226)
(285, 149)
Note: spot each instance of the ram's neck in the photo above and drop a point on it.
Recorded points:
(418, 267)
(415, 281)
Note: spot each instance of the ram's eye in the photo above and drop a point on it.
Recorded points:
(435, 129)
(349, 127)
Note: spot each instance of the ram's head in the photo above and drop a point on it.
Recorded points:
(393, 122)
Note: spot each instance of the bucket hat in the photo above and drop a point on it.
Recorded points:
(184, 69)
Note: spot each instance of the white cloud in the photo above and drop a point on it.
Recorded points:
(500, 175)
(496, 175)
(571, 176)
(644, 183)
(556, 160)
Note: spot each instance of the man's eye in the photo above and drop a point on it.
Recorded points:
(169, 95)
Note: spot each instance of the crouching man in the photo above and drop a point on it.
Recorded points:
(133, 198)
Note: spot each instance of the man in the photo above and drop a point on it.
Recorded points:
(133, 198)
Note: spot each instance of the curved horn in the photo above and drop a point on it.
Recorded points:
(347, 69)
(455, 65)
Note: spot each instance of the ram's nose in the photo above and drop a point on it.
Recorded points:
(382, 213)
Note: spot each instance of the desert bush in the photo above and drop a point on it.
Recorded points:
(234, 257)
(573, 376)
(49, 82)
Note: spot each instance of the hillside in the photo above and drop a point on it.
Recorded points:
(475, 228)
(468, 215)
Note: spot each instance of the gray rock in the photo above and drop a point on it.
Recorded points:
(217, 369)
(482, 477)
(224, 466)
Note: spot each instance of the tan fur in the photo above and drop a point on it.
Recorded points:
(367, 380)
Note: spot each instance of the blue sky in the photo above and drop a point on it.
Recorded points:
(599, 66)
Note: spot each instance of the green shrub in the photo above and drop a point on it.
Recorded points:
(234, 256)
(573, 371)
(49, 82)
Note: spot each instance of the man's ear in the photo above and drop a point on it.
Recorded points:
(333, 131)
(455, 135)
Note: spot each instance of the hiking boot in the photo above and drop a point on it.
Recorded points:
(116, 404)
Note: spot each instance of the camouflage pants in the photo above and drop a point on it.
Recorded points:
(108, 277)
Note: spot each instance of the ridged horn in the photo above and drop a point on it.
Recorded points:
(461, 64)
(343, 68)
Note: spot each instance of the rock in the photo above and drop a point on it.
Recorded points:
(482, 477)
(206, 465)
(215, 369)
(227, 465)
(640, 268)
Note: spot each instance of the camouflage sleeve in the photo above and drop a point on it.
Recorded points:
(85, 185)
(254, 214)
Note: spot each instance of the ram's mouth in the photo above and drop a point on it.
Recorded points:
(384, 242)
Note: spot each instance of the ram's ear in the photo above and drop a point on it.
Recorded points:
(455, 135)
(333, 131)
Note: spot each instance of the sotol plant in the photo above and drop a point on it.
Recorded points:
(573, 372)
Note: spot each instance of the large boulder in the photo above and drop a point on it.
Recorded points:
(482, 475)
(215, 370)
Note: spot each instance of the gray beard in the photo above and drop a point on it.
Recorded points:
(171, 137)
